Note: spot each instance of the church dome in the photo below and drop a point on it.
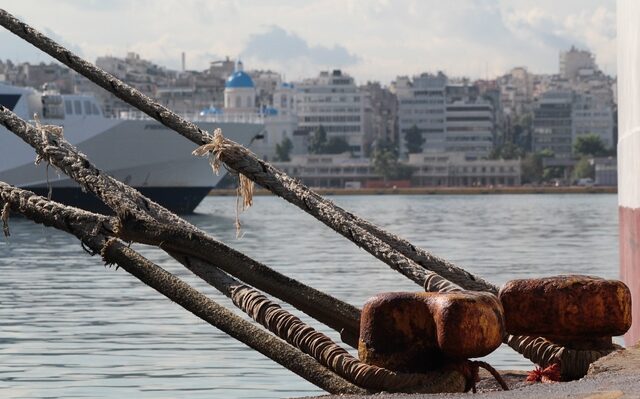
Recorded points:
(239, 79)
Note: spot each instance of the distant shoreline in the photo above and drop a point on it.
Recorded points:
(442, 191)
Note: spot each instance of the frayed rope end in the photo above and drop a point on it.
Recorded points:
(5, 219)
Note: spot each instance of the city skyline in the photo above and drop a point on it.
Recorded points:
(375, 40)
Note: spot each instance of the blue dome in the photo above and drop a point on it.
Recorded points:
(269, 111)
(239, 79)
(210, 111)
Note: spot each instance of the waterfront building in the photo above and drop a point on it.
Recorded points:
(470, 127)
(381, 115)
(324, 170)
(240, 92)
(552, 123)
(591, 116)
(456, 170)
(266, 83)
(281, 121)
(421, 104)
(429, 170)
(606, 171)
(240, 104)
(332, 100)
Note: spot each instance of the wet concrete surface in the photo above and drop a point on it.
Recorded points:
(616, 376)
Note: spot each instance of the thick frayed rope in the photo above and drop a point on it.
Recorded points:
(5, 219)
(45, 130)
(214, 150)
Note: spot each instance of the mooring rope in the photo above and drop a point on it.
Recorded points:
(95, 232)
(135, 210)
(403, 255)
(244, 162)
(574, 363)
(304, 337)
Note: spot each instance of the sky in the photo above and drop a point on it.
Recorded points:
(369, 39)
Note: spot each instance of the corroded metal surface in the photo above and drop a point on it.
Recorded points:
(573, 307)
(420, 331)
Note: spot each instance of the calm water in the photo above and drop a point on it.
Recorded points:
(69, 327)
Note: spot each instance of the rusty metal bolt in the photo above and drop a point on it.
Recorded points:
(416, 332)
(565, 309)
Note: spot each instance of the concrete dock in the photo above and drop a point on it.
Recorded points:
(616, 376)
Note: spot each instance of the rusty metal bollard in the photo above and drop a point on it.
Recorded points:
(577, 312)
(417, 332)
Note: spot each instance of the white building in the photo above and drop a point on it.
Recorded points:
(280, 120)
(454, 169)
(421, 103)
(332, 100)
(470, 128)
(516, 91)
(240, 92)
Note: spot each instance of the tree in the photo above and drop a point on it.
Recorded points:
(590, 145)
(318, 140)
(506, 151)
(583, 169)
(283, 150)
(414, 140)
(336, 145)
(533, 170)
(385, 162)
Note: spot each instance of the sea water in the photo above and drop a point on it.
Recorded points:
(70, 327)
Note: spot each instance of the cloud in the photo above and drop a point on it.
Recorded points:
(279, 46)
(18, 50)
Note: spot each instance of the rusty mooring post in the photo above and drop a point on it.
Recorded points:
(416, 332)
(576, 316)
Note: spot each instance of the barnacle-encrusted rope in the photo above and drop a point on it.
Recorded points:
(95, 231)
(574, 363)
(256, 170)
(134, 210)
(242, 161)
(322, 348)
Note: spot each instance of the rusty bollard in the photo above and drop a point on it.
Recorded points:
(578, 313)
(418, 332)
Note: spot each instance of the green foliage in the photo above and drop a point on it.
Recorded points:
(318, 140)
(283, 150)
(552, 172)
(583, 169)
(533, 170)
(414, 140)
(318, 144)
(336, 145)
(506, 151)
(589, 144)
(385, 162)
